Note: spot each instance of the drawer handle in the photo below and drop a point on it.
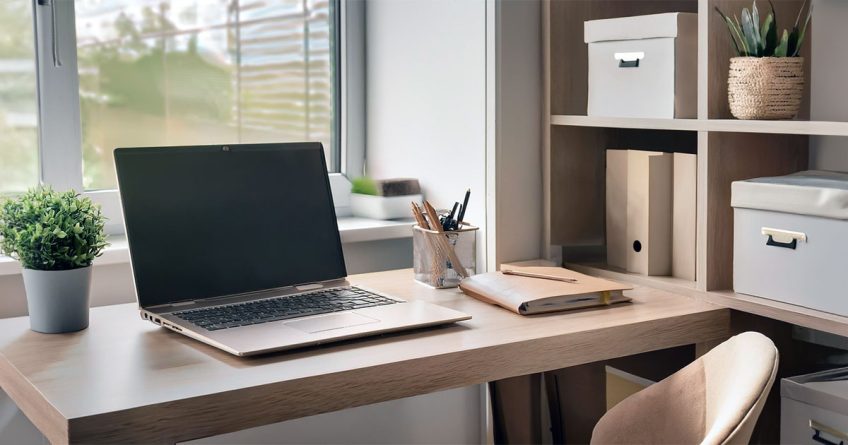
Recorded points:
(819, 428)
(629, 60)
(783, 238)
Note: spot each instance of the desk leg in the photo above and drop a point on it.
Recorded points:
(517, 409)
(577, 399)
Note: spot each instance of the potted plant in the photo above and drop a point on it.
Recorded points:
(766, 79)
(383, 199)
(55, 236)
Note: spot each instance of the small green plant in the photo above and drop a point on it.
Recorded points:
(754, 39)
(364, 186)
(48, 230)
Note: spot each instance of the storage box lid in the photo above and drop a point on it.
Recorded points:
(812, 192)
(651, 26)
(826, 389)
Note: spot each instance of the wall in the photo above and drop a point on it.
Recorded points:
(515, 153)
(828, 95)
(426, 99)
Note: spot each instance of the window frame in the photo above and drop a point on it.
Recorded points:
(59, 117)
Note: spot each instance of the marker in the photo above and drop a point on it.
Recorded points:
(449, 223)
(461, 216)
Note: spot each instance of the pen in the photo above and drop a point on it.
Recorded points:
(461, 216)
(449, 221)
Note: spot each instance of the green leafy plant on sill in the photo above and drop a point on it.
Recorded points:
(754, 39)
(364, 186)
(49, 230)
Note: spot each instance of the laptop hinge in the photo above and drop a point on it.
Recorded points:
(310, 286)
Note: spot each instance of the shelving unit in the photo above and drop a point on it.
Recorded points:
(727, 149)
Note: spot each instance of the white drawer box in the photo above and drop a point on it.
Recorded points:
(643, 66)
(814, 405)
(790, 239)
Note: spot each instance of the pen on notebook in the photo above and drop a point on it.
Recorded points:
(537, 275)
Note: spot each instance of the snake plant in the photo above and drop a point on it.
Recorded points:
(753, 38)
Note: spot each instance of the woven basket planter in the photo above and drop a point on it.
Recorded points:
(765, 87)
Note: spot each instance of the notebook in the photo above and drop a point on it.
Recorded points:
(531, 295)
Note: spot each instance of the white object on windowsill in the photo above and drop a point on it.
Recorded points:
(382, 207)
(351, 229)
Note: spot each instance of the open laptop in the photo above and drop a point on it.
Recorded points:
(238, 246)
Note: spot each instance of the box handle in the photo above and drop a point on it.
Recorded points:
(629, 60)
(819, 428)
(783, 238)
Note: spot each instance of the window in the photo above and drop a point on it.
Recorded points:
(18, 113)
(98, 74)
(189, 72)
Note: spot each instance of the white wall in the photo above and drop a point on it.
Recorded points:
(426, 99)
(829, 95)
(515, 154)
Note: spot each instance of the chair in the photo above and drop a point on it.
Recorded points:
(714, 400)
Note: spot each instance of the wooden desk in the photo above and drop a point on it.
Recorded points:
(124, 380)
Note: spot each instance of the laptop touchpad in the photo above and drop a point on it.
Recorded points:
(329, 322)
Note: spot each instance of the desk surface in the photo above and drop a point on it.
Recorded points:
(124, 380)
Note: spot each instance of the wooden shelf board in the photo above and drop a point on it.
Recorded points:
(670, 284)
(811, 128)
(789, 313)
(626, 122)
(778, 310)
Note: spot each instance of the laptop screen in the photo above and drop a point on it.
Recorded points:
(210, 221)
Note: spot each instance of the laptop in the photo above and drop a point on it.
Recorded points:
(238, 246)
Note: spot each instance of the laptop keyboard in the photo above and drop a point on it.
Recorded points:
(282, 308)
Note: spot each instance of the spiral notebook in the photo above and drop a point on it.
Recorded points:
(549, 289)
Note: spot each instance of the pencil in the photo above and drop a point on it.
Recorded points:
(537, 275)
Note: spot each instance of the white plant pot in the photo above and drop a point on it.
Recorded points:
(382, 207)
(57, 299)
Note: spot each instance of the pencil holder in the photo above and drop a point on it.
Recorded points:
(431, 260)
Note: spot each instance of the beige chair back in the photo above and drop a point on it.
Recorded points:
(714, 400)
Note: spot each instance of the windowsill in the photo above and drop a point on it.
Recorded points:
(351, 229)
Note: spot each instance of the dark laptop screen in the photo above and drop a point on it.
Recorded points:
(219, 220)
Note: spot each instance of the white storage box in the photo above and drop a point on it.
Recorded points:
(790, 239)
(643, 66)
(814, 408)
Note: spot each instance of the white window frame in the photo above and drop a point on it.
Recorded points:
(59, 124)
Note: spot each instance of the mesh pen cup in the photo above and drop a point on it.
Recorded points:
(431, 260)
